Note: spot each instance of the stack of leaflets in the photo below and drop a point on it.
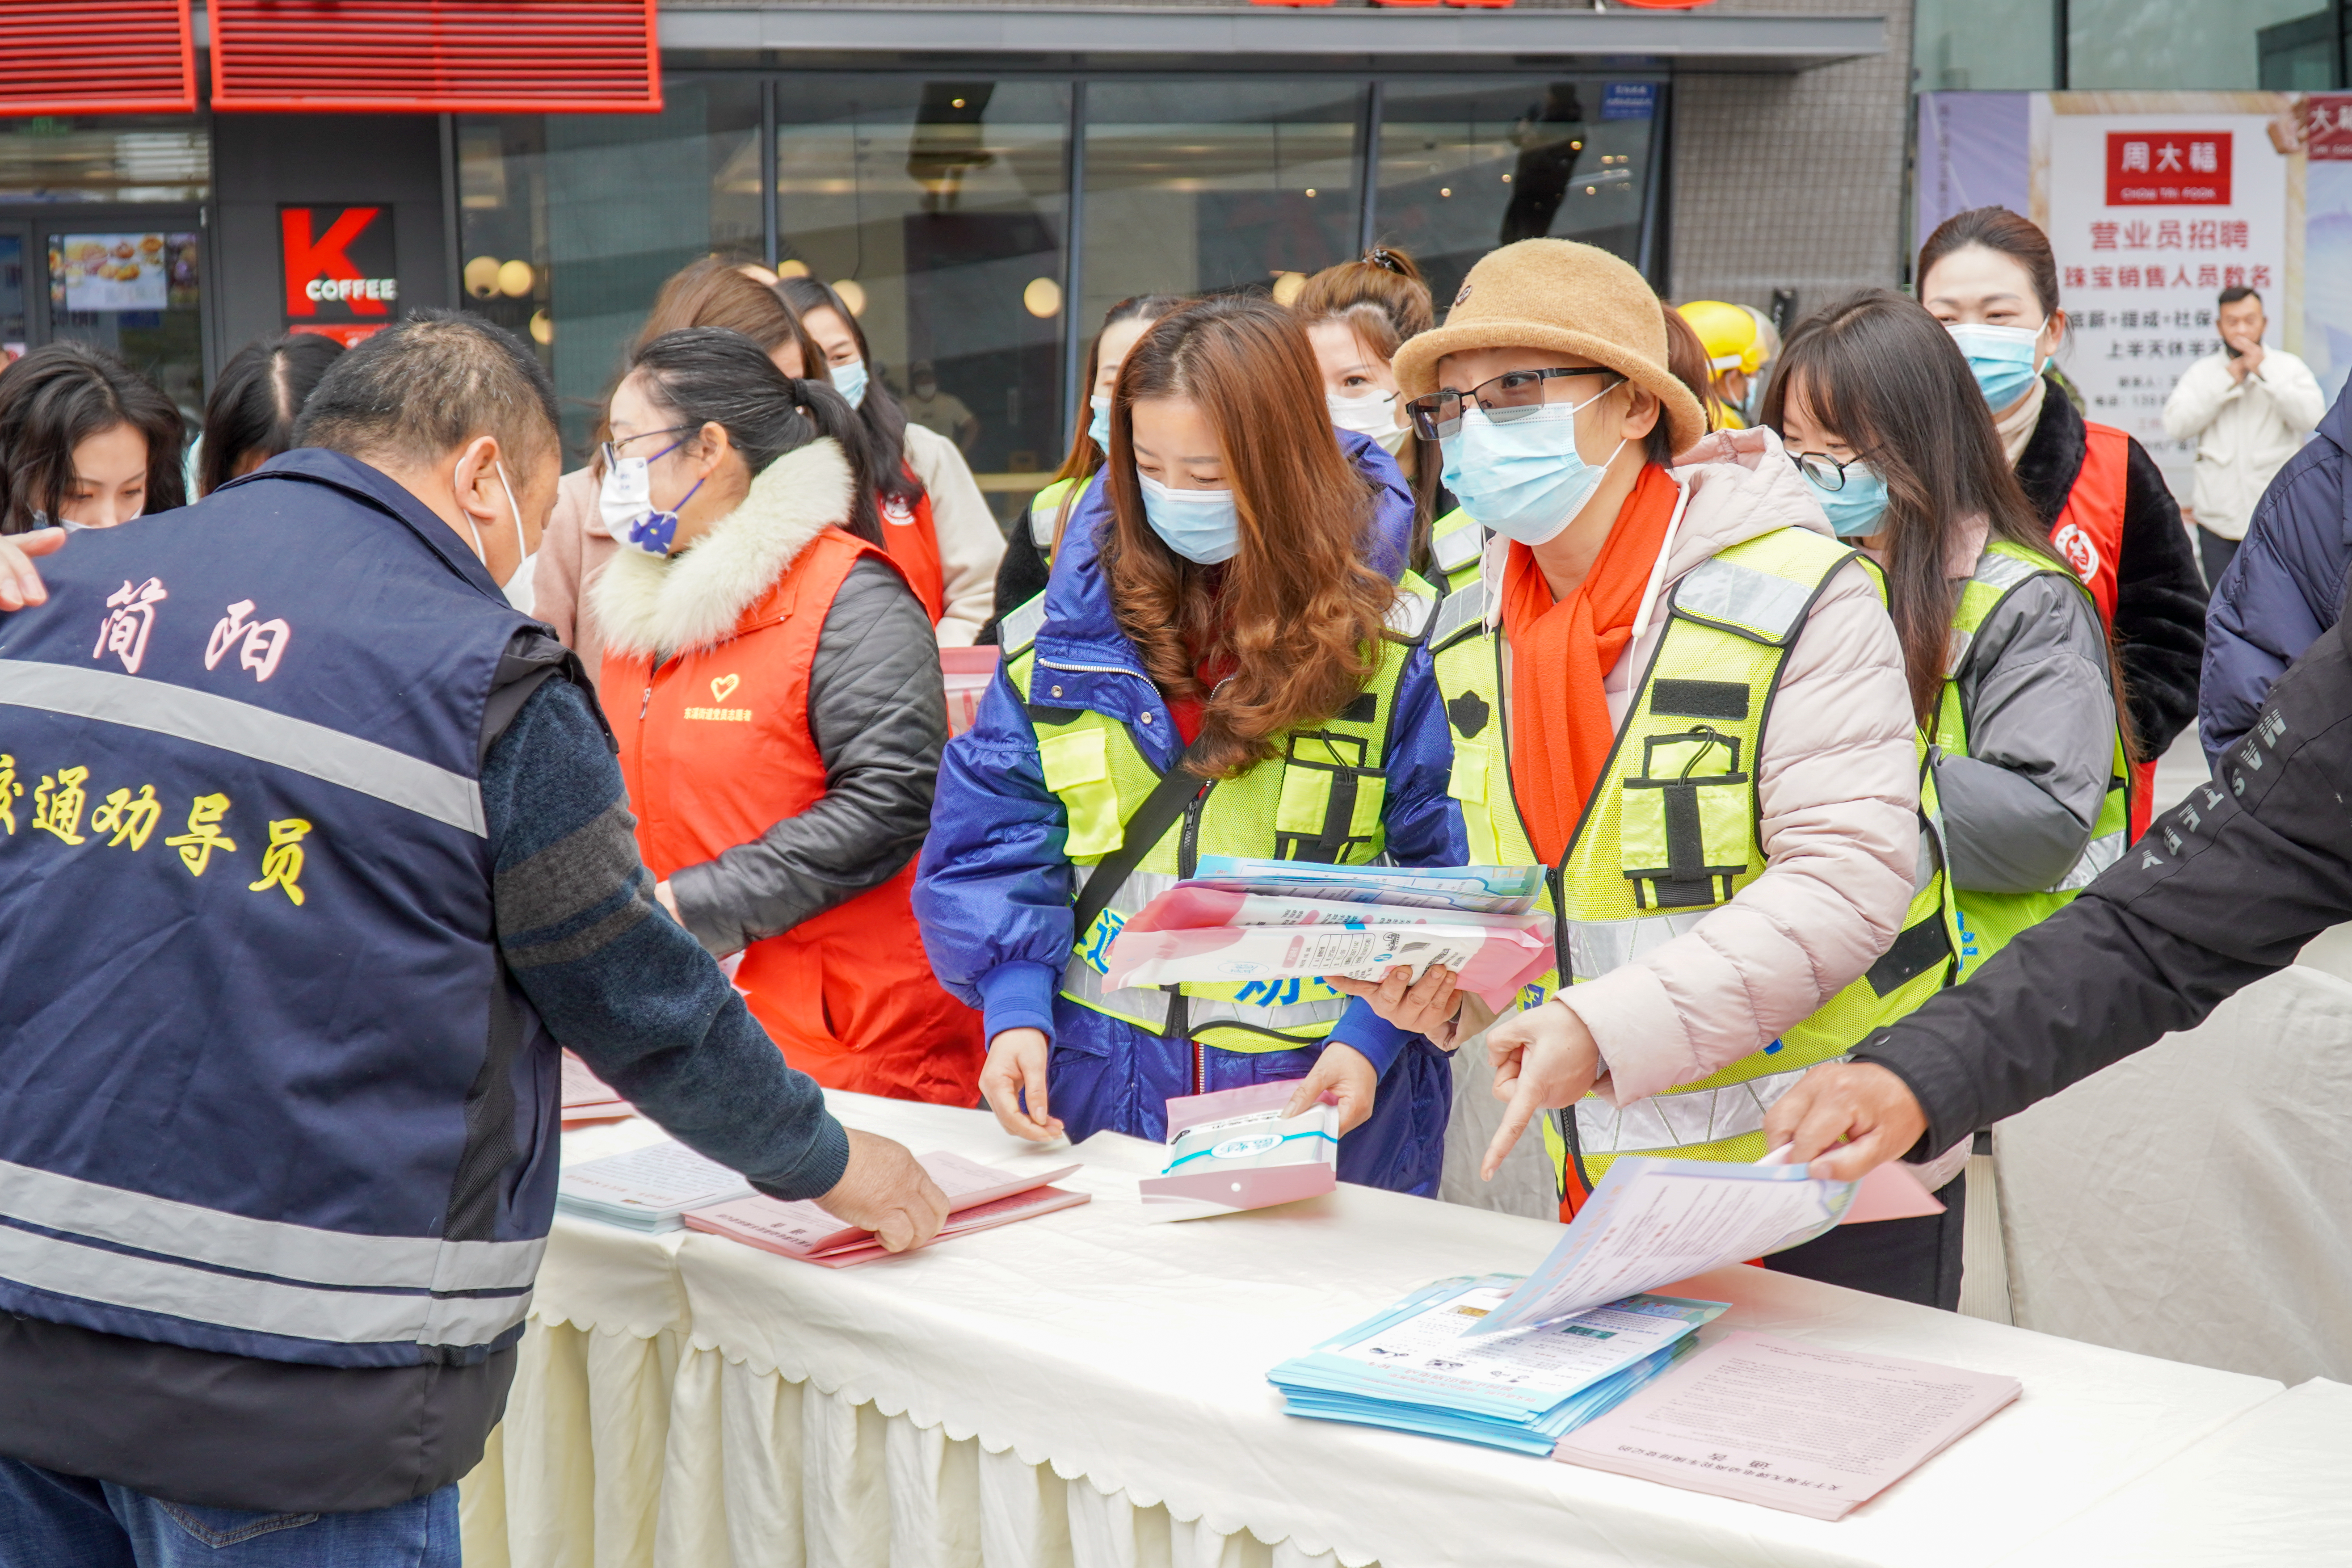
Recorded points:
(1271, 921)
(647, 1189)
(979, 1197)
(1417, 1368)
(1236, 1149)
(587, 1098)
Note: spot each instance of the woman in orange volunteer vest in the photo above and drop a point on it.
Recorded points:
(1990, 277)
(775, 689)
(935, 522)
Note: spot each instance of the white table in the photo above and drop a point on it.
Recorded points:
(1086, 1388)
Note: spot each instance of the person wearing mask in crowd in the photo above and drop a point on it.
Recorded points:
(85, 442)
(941, 413)
(559, 580)
(311, 1102)
(1674, 686)
(775, 689)
(2283, 590)
(250, 416)
(1990, 277)
(1223, 665)
(1740, 345)
(1357, 314)
(1029, 553)
(935, 521)
(2247, 408)
(1878, 406)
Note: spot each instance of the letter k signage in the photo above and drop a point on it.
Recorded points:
(340, 265)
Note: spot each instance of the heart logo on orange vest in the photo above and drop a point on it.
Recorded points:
(722, 688)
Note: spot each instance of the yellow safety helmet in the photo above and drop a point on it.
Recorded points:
(1729, 334)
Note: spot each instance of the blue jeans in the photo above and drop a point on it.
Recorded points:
(50, 1520)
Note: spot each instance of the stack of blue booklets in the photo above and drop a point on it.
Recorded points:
(1417, 1368)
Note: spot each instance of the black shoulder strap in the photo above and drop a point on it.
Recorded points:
(1158, 813)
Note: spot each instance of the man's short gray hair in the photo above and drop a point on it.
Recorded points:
(423, 388)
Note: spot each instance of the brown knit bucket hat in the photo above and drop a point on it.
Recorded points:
(1557, 294)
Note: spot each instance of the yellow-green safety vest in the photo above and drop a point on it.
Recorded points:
(1319, 800)
(1672, 833)
(1987, 920)
(1456, 546)
(1045, 513)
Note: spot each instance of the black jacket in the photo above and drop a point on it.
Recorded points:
(2159, 595)
(2224, 889)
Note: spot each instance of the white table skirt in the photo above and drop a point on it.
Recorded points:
(1085, 1389)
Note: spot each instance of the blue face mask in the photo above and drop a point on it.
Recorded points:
(1855, 510)
(2002, 359)
(1202, 526)
(849, 379)
(1524, 480)
(1098, 432)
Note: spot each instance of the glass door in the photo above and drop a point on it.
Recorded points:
(16, 329)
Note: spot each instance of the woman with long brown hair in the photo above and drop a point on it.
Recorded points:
(1223, 664)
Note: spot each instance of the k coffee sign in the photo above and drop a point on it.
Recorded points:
(338, 267)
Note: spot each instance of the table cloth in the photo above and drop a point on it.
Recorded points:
(1089, 1389)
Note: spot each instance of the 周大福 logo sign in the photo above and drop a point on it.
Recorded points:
(2169, 168)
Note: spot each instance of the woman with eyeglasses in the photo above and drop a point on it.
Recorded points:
(1673, 686)
(774, 688)
(1222, 665)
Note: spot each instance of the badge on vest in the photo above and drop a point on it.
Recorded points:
(721, 688)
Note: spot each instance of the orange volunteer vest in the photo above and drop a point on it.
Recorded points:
(715, 749)
(914, 546)
(2089, 536)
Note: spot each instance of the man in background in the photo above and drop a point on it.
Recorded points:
(2247, 408)
(943, 412)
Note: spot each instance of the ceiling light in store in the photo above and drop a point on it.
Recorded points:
(482, 277)
(1042, 298)
(515, 279)
(1588, 190)
(955, 103)
(1445, 190)
(793, 267)
(1506, 179)
(1288, 286)
(542, 328)
(852, 295)
(1310, 191)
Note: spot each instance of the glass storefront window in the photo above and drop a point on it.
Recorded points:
(1984, 45)
(1466, 166)
(121, 158)
(2211, 43)
(1196, 187)
(570, 223)
(134, 284)
(939, 210)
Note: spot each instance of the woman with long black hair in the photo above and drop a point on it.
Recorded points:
(85, 442)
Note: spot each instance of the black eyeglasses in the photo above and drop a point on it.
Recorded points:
(1513, 394)
(1825, 472)
(610, 451)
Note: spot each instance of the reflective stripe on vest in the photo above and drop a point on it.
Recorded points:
(1321, 799)
(1671, 834)
(1020, 626)
(1457, 545)
(1045, 514)
(1987, 920)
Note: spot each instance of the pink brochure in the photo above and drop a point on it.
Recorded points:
(963, 1222)
(1234, 1150)
(1804, 1427)
(1892, 1190)
(804, 1230)
(1493, 963)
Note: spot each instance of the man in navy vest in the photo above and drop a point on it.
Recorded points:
(312, 850)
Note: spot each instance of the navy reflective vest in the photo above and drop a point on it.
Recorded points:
(266, 1087)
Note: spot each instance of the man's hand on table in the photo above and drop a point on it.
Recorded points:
(20, 580)
(1861, 1103)
(1544, 1059)
(1014, 1083)
(886, 1192)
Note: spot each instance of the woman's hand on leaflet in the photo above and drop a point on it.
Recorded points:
(1014, 1082)
(1845, 1119)
(20, 580)
(1545, 1058)
(884, 1189)
(1345, 1074)
(1423, 1007)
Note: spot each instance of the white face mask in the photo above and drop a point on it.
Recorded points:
(517, 586)
(1375, 413)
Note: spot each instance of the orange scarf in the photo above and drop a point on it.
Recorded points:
(1560, 651)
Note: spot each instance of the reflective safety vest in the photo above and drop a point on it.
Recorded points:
(1987, 920)
(1456, 546)
(1046, 512)
(271, 1089)
(1320, 799)
(1671, 833)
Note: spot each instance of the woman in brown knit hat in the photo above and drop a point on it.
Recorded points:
(1676, 687)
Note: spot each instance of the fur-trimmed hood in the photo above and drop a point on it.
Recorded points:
(657, 606)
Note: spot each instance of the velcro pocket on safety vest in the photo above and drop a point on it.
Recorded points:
(1331, 801)
(1076, 765)
(1688, 823)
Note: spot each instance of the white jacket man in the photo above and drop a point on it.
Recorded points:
(2247, 408)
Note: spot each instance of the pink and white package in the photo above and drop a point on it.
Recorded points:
(1234, 1150)
(1214, 935)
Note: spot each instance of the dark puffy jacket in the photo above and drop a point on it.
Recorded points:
(2160, 597)
(2285, 587)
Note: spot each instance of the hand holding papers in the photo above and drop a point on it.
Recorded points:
(979, 1197)
(1236, 1149)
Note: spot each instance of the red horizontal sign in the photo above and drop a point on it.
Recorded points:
(2167, 168)
(2327, 127)
(126, 57)
(569, 56)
